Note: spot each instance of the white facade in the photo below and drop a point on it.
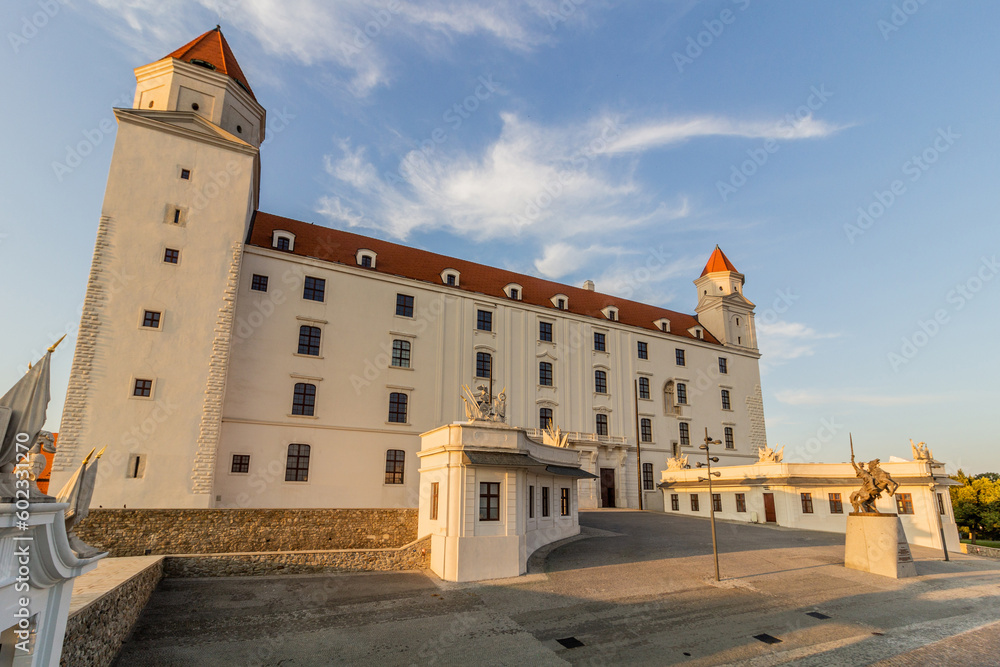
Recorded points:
(926, 505)
(223, 364)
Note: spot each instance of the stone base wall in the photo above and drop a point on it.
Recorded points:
(413, 556)
(95, 634)
(976, 550)
(138, 532)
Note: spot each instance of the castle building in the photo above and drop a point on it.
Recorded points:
(230, 357)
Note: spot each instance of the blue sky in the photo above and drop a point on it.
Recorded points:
(577, 140)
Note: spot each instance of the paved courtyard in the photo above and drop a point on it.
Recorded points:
(635, 588)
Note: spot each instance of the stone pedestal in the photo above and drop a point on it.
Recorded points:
(876, 543)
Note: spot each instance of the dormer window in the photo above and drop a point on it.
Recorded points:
(513, 291)
(560, 301)
(663, 324)
(697, 332)
(611, 313)
(450, 277)
(282, 240)
(366, 258)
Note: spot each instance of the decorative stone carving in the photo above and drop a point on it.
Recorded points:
(677, 462)
(554, 437)
(767, 455)
(920, 451)
(480, 406)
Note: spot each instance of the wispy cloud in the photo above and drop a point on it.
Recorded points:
(780, 342)
(839, 397)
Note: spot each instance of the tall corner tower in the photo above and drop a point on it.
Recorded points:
(722, 308)
(152, 352)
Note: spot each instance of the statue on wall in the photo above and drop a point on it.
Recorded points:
(44, 443)
(480, 406)
(874, 482)
(767, 455)
(921, 451)
(77, 493)
(678, 462)
(554, 437)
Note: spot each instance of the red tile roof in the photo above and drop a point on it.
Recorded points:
(718, 262)
(334, 245)
(213, 48)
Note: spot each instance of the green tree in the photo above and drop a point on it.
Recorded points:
(977, 503)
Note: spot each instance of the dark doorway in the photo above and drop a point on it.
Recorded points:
(607, 487)
(769, 515)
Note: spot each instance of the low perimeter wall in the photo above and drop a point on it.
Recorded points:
(138, 532)
(413, 556)
(95, 633)
(976, 550)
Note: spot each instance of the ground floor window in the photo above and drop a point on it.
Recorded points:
(489, 501)
(717, 502)
(694, 502)
(836, 504)
(741, 502)
(297, 463)
(807, 503)
(545, 501)
(647, 476)
(564, 501)
(675, 502)
(395, 460)
(904, 503)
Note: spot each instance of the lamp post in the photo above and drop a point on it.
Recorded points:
(709, 459)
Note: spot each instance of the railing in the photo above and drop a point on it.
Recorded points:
(578, 436)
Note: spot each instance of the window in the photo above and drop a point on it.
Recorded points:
(599, 342)
(545, 501)
(309, 340)
(151, 319)
(314, 289)
(940, 499)
(171, 256)
(366, 262)
(484, 320)
(544, 418)
(241, 463)
(685, 433)
(401, 353)
(484, 364)
(647, 476)
(682, 393)
(564, 501)
(836, 504)
(177, 216)
(397, 407)
(679, 357)
(545, 331)
(602, 424)
(807, 503)
(394, 460)
(258, 283)
(304, 399)
(404, 305)
(136, 466)
(730, 443)
(186, 174)
(600, 382)
(434, 500)
(643, 387)
(694, 502)
(545, 373)
(723, 365)
(297, 464)
(675, 502)
(531, 502)
(725, 399)
(515, 293)
(643, 350)
(142, 388)
(561, 304)
(904, 503)
(283, 243)
(450, 279)
(646, 430)
(741, 502)
(716, 502)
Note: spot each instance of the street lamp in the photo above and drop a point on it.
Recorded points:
(709, 459)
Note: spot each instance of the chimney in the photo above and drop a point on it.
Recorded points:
(588, 285)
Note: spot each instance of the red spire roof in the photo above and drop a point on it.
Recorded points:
(718, 262)
(212, 48)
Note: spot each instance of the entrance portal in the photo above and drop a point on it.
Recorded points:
(607, 487)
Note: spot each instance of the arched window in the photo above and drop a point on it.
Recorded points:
(647, 476)
(394, 460)
(309, 338)
(544, 418)
(602, 423)
(600, 382)
(646, 429)
(545, 373)
(297, 463)
(643, 387)
(397, 407)
(484, 364)
(401, 353)
(684, 430)
(304, 399)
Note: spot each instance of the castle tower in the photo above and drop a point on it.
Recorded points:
(722, 308)
(152, 352)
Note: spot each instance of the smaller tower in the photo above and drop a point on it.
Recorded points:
(722, 308)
